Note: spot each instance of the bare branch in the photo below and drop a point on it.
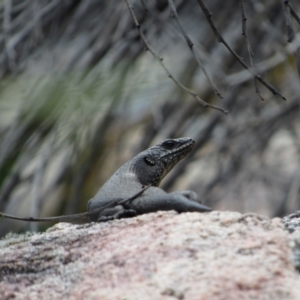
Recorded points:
(208, 15)
(250, 52)
(264, 66)
(160, 60)
(192, 48)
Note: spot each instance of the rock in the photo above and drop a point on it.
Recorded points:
(292, 221)
(164, 255)
(292, 224)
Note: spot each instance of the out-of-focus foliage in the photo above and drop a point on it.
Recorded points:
(79, 96)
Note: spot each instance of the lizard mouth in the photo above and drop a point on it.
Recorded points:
(183, 149)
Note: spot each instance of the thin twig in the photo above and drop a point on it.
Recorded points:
(192, 47)
(249, 48)
(297, 55)
(6, 34)
(160, 60)
(264, 66)
(77, 216)
(289, 12)
(289, 23)
(293, 12)
(208, 15)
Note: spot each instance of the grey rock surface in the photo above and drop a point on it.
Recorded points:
(164, 255)
(292, 224)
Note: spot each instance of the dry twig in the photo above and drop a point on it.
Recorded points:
(192, 48)
(293, 12)
(220, 38)
(160, 60)
(289, 12)
(250, 52)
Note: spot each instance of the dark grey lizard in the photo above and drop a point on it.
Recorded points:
(147, 168)
(124, 194)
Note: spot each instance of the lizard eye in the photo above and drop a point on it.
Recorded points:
(169, 144)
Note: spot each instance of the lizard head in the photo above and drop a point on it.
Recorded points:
(153, 164)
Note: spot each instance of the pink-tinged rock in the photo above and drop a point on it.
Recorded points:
(164, 255)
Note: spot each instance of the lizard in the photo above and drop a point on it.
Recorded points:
(134, 188)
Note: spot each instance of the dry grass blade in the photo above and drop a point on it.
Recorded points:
(15, 40)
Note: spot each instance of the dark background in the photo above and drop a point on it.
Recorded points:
(79, 96)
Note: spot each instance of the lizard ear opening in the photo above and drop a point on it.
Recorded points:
(149, 161)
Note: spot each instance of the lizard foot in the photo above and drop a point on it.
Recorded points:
(124, 213)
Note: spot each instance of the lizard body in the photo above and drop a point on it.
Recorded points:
(147, 168)
(133, 189)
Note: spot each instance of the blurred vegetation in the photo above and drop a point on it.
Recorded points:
(79, 96)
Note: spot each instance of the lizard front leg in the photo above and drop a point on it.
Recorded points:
(113, 213)
(124, 213)
(163, 201)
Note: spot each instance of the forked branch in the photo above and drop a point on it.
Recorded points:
(192, 47)
(160, 60)
(218, 35)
